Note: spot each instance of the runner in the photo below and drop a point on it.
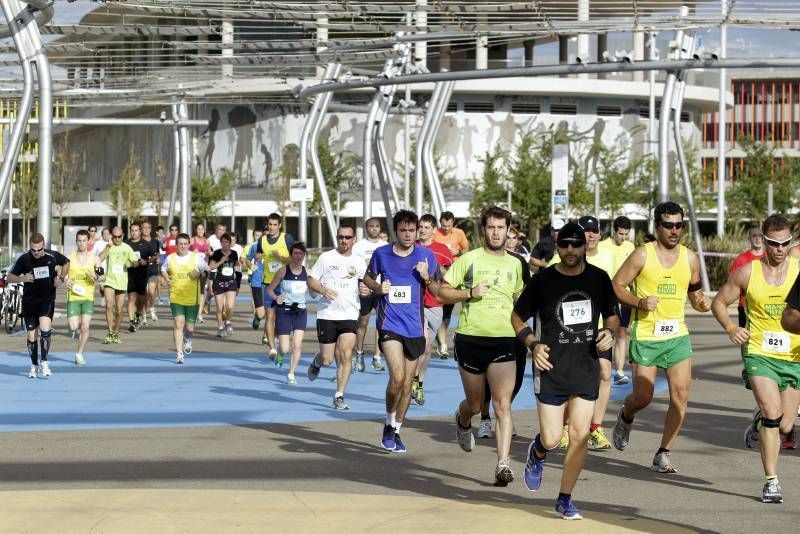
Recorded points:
(223, 262)
(770, 355)
(208, 290)
(118, 256)
(403, 269)
(255, 276)
(545, 248)
(152, 270)
(433, 308)
(364, 248)
(487, 281)
(456, 240)
(80, 297)
(236, 247)
(567, 300)
(146, 253)
(620, 247)
(335, 276)
(183, 271)
(664, 272)
(42, 271)
(291, 317)
(274, 246)
(756, 251)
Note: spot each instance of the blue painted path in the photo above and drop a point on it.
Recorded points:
(137, 390)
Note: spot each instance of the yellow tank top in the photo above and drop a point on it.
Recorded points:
(182, 289)
(765, 304)
(81, 276)
(670, 286)
(271, 265)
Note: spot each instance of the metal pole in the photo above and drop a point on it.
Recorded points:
(663, 130)
(770, 199)
(721, 141)
(176, 171)
(438, 192)
(44, 214)
(233, 210)
(651, 122)
(419, 167)
(366, 169)
(186, 182)
(597, 200)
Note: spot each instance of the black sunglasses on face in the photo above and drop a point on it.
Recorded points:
(564, 243)
(35, 250)
(344, 237)
(666, 225)
(116, 237)
(776, 244)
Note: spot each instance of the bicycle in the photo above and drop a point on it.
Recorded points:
(10, 302)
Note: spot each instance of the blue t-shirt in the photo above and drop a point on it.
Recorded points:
(258, 274)
(401, 311)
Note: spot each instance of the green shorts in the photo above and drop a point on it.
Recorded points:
(79, 307)
(782, 372)
(661, 354)
(190, 312)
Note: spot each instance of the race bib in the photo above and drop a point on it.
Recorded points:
(137, 255)
(79, 290)
(117, 269)
(666, 328)
(775, 342)
(227, 271)
(576, 312)
(274, 266)
(297, 287)
(41, 272)
(400, 295)
(343, 283)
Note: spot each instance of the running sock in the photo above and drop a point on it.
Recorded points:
(45, 342)
(33, 352)
(622, 416)
(397, 426)
(338, 394)
(390, 418)
(564, 495)
(767, 478)
(594, 426)
(662, 449)
(538, 449)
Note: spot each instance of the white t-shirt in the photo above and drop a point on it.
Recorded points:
(213, 243)
(99, 246)
(365, 248)
(340, 273)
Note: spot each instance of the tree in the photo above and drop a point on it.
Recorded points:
(491, 187)
(208, 192)
(620, 175)
(161, 188)
(128, 192)
(528, 167)
(26, 197)
(65, 180)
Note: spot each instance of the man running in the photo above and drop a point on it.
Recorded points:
(567, 300)
(620, 247)
(364, 248)
(223, 263)
(771, 355)
(80, 281)
(42, 271)
(255, 276)
(756, 238)
(433, 308)
(182, 271)
(335, 276)
(403, 269)
(274, 246)
(487, 281)
(146, 253)
(456, 240)
(118, 257)
(664, 273)
(152, 270)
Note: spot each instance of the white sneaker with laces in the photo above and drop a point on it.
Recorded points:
(485, 429)
(179, 358)
(187, 347)
(33, 371)
(46, 369)
(79, 359)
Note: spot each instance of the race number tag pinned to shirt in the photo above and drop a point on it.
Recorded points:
(297, 287)
(117, 269)
(576, 312)
(137, 255)
(41, 272)
(227, 271)
(666, 328)
(79, 290)
(274, 266)
(400, 295)
(775, 342)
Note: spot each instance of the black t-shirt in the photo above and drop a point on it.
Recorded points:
(146, 249)
(526, 270)
(544, 249)
(44, 273)
(225, 270)
(152, 268)
(793, 298)
(567, 310)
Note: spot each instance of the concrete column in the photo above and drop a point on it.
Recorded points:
(421, 47)
(322, 36)
(227, 39)
(528, 45)
(638, 54)
(583, 40)
(482, 53)
(563, 49)
(602, 46)
(445, 57)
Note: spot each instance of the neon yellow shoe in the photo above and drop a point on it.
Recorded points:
(564, 443)
(598, 440)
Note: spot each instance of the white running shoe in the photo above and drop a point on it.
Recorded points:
(464, 436)
(187, 347)
(46, 370)
(79, 359)
(153, 316)
(485, 429)
(229, 329)
(179, 358)
(33, 371)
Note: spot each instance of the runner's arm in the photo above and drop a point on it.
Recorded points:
(727, 295)
(790, 321)
(275, 281)
(697, 298)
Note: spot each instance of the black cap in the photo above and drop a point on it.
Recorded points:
(572, 231)
(589, 222)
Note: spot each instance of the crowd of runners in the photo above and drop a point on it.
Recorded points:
(579, 308)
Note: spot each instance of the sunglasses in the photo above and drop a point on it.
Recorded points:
(574, 243)
(116, 237)
(344, 237)
(776, 244)
(666, 225)
(36, 250)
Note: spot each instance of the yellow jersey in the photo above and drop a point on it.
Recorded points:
(619, 252)
(670, 285)
(272, 265)
(764, 304)
(183, 290)
(81, 276)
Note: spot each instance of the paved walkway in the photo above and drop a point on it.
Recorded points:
(133, 442)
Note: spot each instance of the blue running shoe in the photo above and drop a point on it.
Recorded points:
(565, 509)
(387, 441)
(533, 470)
(399, 446)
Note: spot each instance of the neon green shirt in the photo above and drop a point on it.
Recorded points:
(116, 269)
(620, 252)
(490, 315)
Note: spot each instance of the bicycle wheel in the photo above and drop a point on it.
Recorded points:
(14, 311)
